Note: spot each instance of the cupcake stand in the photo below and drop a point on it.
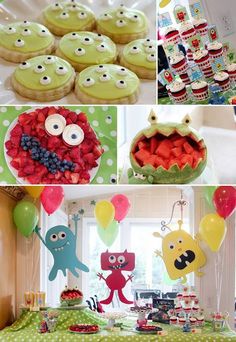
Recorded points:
(206, 72)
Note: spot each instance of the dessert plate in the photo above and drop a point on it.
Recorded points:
(14, 172)
(12, 11)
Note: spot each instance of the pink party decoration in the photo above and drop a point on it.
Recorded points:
(122, 205)
(51, 198)
(224, 200)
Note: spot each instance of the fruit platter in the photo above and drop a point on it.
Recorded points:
(147, 329)
(84, 329)
(52, 145)
(71, 297)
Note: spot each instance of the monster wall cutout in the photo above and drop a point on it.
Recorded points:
(116, 281)
(61, 242)
(181, 253)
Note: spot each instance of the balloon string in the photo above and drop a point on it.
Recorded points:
(219, 266)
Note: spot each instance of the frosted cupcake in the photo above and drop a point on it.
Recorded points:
(200, 90)
(173, 320)
(193, 321)
(201, 26)
(222, 78)
(200, 320)
(182, 321)
(187, 31)
(178, 92)
(231, 70)
(172, 35)
(179, 63)
(201, 58)
(215, 49)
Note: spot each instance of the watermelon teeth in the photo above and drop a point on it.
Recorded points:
(49, 160)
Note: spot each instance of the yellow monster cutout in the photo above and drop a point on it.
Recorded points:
(181, 254)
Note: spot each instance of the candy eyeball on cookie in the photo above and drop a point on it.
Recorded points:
(121, 84)
(82, 15)
(61, 70)
(101, 69)
(105, 17)
(88, 82)
(87, 41)
(105, 78)
(80, 52)
(122, 72)
(10, 30)
(45, 80)
(26, 32)
(134, 18)
(73, 8)
(101, 48)
(147, 42)
(73, 36)
(121, 23)
(120, 14)
(64, 15)
(135, 50)
(151, 58)
(25, 23)
(24, 65)
(19, 43)
(49, 60)
(39, 69)
(43, 33)
(99, 37)
(150, 48)
(56, 7)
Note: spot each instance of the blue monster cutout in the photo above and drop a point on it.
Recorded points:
(61, 242)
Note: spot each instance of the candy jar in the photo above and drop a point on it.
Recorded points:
(141, 318)
(218, 321)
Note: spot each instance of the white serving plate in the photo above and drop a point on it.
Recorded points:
(14, 172)
(12, 10)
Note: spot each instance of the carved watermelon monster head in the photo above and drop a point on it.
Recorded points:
(167, 153)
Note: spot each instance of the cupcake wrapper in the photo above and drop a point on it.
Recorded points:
(181, 99)
(174, 40)
(232, 78)
(201, 96)
(182, 69)
(217, 55)
(187, 36)
(203, 65)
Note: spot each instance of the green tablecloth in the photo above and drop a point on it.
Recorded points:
(25, 330)
(106, 129)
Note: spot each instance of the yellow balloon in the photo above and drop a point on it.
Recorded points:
(213, 230)
(164, 3)
(104, 212)
(34, 191)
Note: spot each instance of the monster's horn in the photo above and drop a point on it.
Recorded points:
(152, 117)
(187, 120)
(180, 223)
(157, 235)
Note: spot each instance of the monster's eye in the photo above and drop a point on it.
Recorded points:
(113, 179)
(62, 235)
(135, 50)
(54, 237)
(61, 70)
(112, 259)
(121, 259)
(171, 245)
(55, 124)
(120, 14)
(150, 48)
(151, 58)
(49, 60)
(108, 119)
(136, 175)
(147, 42)
(73, 135)
(142, 177)
(180, 240)
(39, 69)
(10, 30)
(43, 33)
(25, 23)
(56, 7)
(19, 43)
(87, 41)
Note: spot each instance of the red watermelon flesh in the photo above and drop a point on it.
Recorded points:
(160, 150)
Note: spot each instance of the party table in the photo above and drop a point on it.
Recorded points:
(25, 329)
(103, 120)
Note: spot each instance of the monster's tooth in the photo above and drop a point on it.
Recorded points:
(179, 259)
(67, 243)
(56, 249)
(185, 254)
(187, 263)
(62, 248)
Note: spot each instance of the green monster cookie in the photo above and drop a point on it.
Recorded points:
(68, 16)
(107, 83)
(44, 78)
(167, 153)
(140, 57)
(22, 40)
(83, 49)
(123, 24)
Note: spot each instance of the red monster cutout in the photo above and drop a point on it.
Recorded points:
(116, 263)
(213, 34)
(196, 43)
(181, 16)
(168, 77)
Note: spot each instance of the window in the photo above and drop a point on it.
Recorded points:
(136, 236)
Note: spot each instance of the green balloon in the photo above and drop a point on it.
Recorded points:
(25, 216)
(109, 234)
(209, 192)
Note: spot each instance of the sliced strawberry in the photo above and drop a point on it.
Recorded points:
(27, 129)
(75, 178)
(8, 145)
(52, 110)
(177, 151)
(17, 131)
(15, 164)
(34, 179)
(41, 117)
(97, 152)
(196, 155)
(13, 152)
(89, 158)
(82, 117)
(188, 148)
(53, 143)
(29, 170)
(25, 119)
(72, 116)
(15, 140)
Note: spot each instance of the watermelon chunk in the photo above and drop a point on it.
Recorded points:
(153, 144)
(142, 155)
(150, 160)
(188, 148)
(175, 161)
(187, 159)
(179, 142)
(164, 149)
(161, 162)
(142, 144)
(177, 151)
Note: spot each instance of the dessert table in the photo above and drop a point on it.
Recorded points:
(25, 329)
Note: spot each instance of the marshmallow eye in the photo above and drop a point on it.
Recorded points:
(25, 23)
(150, 49)
(120, 14)
(108, 119)
(105, 78)
(121, 23)
(134, 18)
(89, 82)
(80, 52)
(101, 48)
(26, 32)
(55, 124)
(82, 15)
(19, 43)
(62, 235)
(121, 84)
(136, 175)
(106, 17)
(43, 33)
(64, 15)
(73, 135)
(10, 30)
(151, 58)
(113, 179)
(101, 69)
(49, 60)
(121, 259)
(74, 8)
(61, 70)
(122, 72)
(45, 80)
(142, 177)
(99, 37)
(112, 259)
(171, 245)
(54, 237)
(39, 69)
(87, 41)
(73, 36)
(134, 50)
(147, 42)
(56, 7)
(24, 65)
